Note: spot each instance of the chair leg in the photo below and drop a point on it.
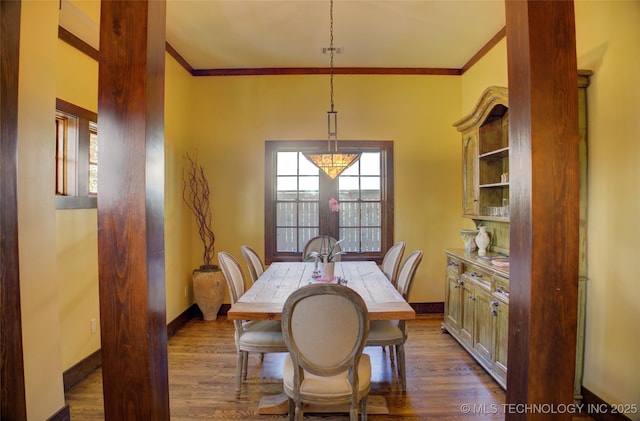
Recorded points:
(391, 355)
(245, 364)
(299, 412)
(402, 369)
(363, 406)
(261, 357)
(239, 372)
(353, 411)
(292, 409)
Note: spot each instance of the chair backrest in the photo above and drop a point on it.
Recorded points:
(407, 273)
(321, 243)
(254, 263)
(391, 261)
(233, 274)
(325, 327)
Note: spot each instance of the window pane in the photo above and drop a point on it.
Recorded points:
(308, 216)
(61, 164)
(93, 179)
(370, 163)
(305, 234)
(309, 188)
(286, 214)
(287, 188)
(287, 163)
(306, 167)
(67, 135)
(93, 159)
(370, 188)
(350, 239)
(370, 214)
(286, 240)
(349, 214)
(353, 169)
(348, 188)
(371, 239)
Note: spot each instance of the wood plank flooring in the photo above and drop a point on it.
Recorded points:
(441, 378)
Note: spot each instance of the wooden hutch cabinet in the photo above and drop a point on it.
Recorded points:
(485, 154)
(476, 308)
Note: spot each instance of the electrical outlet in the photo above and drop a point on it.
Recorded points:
(94, 326)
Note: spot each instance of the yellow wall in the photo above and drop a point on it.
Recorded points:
(36, 211)
(233, 116)
(76, 229)
(178, 222)
(607, 43)
(490, 71)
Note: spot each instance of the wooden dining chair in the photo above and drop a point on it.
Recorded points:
(261, 336)
(325, 328)
(394, 332)
(319, 243)
(391, 262)
(254, 262)
(390, 266)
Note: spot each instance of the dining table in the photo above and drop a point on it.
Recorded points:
(265, 299)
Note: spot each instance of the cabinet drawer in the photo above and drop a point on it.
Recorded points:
(501, 287)
(453, 266)
(473, 274)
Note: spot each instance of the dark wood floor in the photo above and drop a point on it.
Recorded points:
(441, 379)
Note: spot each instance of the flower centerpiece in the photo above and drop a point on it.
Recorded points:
(325, 263)
(208, 282)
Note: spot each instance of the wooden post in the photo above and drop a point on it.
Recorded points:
(543, 130)
(131, 210)
(12, 385)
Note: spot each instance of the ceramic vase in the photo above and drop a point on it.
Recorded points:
(208, 291)
(482, 241)
(327, 270)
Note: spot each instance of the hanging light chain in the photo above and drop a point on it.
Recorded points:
(331, 49)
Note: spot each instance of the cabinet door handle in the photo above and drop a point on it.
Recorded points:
(459, 282)
(493, 306)
(453, 264)
(472, 298)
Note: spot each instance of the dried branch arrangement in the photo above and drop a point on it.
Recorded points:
(195, 193)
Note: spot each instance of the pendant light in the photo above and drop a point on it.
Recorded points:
(332, 162)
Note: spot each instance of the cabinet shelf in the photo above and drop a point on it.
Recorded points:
(492, 218)
(496, 154)
(493, 185)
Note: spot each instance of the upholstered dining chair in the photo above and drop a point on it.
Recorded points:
(325, 328)
(391, 261)
(254, 262)
(251, 336)
(394, 332)
(318, 243)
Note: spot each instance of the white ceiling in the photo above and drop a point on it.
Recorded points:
(228, 34)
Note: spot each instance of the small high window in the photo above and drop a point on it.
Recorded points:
(76, 182)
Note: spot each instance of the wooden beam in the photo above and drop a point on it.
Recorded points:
(543, 131)
(12, 385)
(131, 210)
